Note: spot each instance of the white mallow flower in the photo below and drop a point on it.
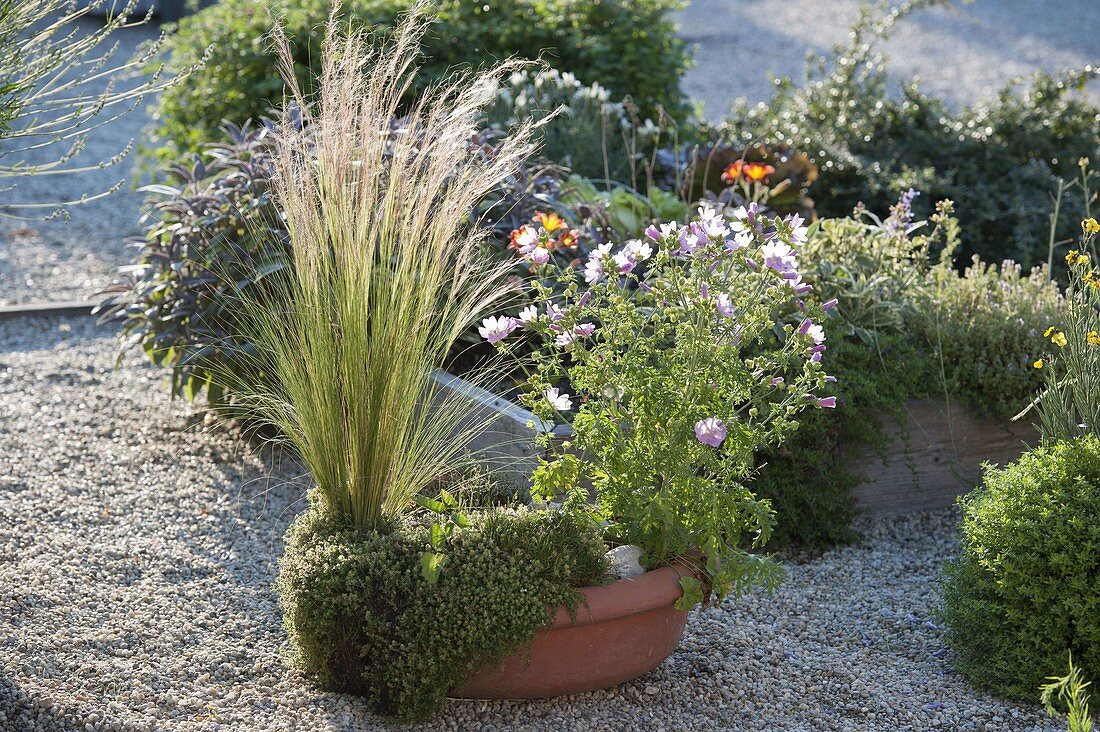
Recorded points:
(713, 224)
(740, 240)
(613, 392)
(638, 249)
(495, 330)
(558, 400)
(529, 314)
(798, 231)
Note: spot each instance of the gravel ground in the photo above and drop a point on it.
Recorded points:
(71, 260)
(138, 552)
(964, 54)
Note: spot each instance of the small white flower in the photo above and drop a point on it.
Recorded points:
(558, 400)
(529, 314)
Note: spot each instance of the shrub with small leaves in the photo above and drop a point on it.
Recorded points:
(591, 134)
(1022, 594)
(363, 619)
(995, 160)
(629, 46)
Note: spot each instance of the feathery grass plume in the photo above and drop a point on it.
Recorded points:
(387, 270)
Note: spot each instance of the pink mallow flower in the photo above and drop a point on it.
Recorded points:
(798, 231)
(724, 305)
(710, 431)
(815, 332)
(558, 400)
(593, 271)
(780, 257)
(631, 254)
(497, 329)
(538, 255)
(656, 234)
(740, 240)
(713, 224)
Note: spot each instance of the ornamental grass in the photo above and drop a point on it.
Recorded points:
(386, 271)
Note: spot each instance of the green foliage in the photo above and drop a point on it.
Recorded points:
(621, 213)
(1068, 692)
(589, 133)
(681, 371)
(629, 46)
(996, 160)
(1070, 404)
(914, 328)
(1022, 593)
(362, 619)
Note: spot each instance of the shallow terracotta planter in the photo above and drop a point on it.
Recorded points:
(621, 631)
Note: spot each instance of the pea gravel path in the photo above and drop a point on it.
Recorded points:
(137, 555)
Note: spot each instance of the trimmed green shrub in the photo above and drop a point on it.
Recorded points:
(363, 619)
(628, 46)
(1023, 593)
(998, 161)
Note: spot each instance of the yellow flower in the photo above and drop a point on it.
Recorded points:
(1039, 364)
(549, 221)
(1048, 331)
(1093, 338)
(1059, 339)
(1074, 257)
(1090, 226)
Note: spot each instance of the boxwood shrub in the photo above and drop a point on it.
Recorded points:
(628, 46)
(363, 619)
(1023, 592)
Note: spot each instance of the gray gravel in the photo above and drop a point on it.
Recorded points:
(138, 551)
(71, 260)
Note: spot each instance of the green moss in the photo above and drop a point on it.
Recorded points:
(362, 619)
(1024, 591)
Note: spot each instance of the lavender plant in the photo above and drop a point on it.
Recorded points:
(46, 69)
(671, 359)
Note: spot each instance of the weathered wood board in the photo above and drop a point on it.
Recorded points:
(934, 457)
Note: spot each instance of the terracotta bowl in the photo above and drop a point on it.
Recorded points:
(622, 631)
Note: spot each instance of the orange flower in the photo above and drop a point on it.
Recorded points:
(549, 221)
(757, 172)
(568, 240)
(732, 171)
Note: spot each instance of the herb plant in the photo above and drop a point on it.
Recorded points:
(670, 358)
(1021, 596)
